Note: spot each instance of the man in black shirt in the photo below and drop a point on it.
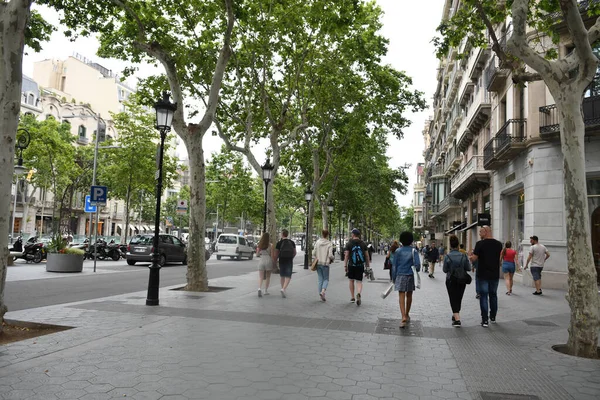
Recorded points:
(487, 254)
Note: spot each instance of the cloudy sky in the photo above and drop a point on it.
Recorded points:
(408, 24)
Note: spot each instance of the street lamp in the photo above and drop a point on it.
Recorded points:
(267, 171)
(22, 143)
(330, 209)
(308, 197)
(164, 118)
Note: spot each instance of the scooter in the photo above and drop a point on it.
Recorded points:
(34, 251)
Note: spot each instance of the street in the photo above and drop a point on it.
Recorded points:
(32, 287)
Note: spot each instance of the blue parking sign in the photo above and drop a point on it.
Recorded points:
(88, 207)
(98, 195)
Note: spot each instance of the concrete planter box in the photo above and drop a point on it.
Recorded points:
(64, 263)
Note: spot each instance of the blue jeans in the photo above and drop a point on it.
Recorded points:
(323, 273)
(488, 288)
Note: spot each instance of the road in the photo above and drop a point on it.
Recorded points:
(31, 293)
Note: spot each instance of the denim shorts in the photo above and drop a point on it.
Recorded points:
(508, 267)
(536, 273)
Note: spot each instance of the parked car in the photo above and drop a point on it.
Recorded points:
(171, 249)
(234, 246)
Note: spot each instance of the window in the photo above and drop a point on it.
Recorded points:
(176, 241)
(166, 239)
(226, 239)
(486, 204)
(242, 242)
(82, 131)
(420, 199)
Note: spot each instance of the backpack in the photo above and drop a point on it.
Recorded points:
(358, 257)
(286, 250)
(459, 275)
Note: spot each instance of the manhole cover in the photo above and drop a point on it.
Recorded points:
(392, 327)
(506, 396)
(539, 323)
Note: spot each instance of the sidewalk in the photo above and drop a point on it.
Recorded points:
(233, 345)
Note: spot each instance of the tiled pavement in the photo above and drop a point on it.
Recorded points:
(234, 345)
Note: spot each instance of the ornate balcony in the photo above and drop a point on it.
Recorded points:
(477, 115)
(437, 171)
(481, 56)
(445, 205)
(508, 142)
(453, 159)
(495, 76)
(550, 120)
(470, 178)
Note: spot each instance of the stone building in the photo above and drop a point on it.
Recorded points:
(495, 158)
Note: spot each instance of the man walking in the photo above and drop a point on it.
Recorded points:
(285, 251)
(538, 254)
(487, 255)
(432, 256)
(354, 263)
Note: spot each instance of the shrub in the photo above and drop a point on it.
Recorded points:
(74, 250)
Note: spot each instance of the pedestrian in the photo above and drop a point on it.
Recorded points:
(461, 248)
(356, 259)
(538, 254)
(509, 261)
(285, 251)
(455, 260)
(265, 264)
(405, 258)
(487, 254)
(442, 252)
(390, 256)
(323, 252)
(433, 256)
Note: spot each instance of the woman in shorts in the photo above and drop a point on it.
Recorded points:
(402, 274)
(509, 261)
(265, 264)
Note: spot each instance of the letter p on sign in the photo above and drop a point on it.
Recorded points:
(98, 195)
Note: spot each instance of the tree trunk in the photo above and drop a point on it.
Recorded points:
(271, 216)
(197, 278)
(583, 288)
(13, 19)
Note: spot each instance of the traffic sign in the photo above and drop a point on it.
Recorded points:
(98, 195)
(88, 207)
(182, 206)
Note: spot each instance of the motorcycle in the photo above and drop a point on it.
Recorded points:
(34, 250)
(113, 251)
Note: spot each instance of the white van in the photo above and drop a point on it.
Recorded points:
(234, 246)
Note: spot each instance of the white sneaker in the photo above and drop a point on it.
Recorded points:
(259, 293)
(266, 293)
(282, 293)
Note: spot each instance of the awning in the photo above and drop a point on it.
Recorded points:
(473, 225)
(457, 227)
(146, 227)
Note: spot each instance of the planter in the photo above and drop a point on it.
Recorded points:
(64, 263)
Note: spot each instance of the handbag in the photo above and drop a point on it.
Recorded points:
(415, 269)
(313, 266)
(387, 263)
(387, 291)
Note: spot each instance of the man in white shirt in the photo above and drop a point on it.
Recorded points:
(538, 254)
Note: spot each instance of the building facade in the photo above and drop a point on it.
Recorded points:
(494, 158)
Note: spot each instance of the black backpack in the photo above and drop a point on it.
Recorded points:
(286, 249)
(459, 275)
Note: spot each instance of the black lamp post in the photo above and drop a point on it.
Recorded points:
(308, 197)
(164, 118)
(330, 209)
(267, 171)
(342, 236)
(23, 139)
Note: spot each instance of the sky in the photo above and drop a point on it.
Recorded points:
(409, 25)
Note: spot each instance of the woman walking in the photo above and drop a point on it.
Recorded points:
(455, 260)
(323, 252)
(509, 261)
(390, 256)
(402, 274)
(265, 265)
